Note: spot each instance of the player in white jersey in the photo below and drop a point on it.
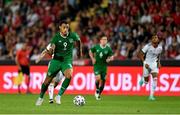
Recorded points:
(150, 56)
(54, 82)
(53, 85)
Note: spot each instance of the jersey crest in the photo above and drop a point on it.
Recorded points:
(105, 51)
(70, 40)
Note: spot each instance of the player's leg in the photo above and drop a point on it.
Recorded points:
(65, 84)
(154, 73)
(103, 78)
(58, 78)
(53, 85)
(102, 82)
(51, 91)
(19, 85)
(144, 78)
(44, 88)
(153, 86)
(52, 71)
(97, 82)
(67, 70)
(27, 73)
(51, 88)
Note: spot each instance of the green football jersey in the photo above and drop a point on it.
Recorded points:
(101, 54)
(64, 46)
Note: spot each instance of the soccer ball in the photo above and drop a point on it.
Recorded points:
(79, 100)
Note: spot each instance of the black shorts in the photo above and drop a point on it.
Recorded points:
(25, 70)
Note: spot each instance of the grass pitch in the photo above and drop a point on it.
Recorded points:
(25, 104)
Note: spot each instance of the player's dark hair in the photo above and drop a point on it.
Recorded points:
(102, 35)
(63, 22)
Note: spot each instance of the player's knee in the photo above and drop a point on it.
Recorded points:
(47, 81)
(154, 75)
(68, 75)
(98, 78)
(146, 79)
(55, 84)
(102, 81)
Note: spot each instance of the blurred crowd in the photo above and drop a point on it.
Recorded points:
(129, 25)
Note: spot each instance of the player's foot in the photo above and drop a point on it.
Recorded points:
(51, 101)
(141, 82)
(39, 101)
(58, 99)
(152, 98)
(97, 96)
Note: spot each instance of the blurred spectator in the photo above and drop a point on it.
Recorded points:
(171, 52)
(35, 54)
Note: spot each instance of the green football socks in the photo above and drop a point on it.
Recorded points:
(43, 90)
(64, 86)
(101, 87)
(97, 86)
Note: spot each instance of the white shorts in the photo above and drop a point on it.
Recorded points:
(59, 76)
(153, 69)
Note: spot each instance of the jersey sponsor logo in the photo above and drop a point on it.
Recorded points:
(106, 52)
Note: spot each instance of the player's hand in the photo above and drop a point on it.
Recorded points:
(38, 60)
(108, 60)
(40, 57)
(147, 66)
(93, 61)
(159, 65)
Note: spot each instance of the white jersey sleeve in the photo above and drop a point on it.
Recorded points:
(145, 48)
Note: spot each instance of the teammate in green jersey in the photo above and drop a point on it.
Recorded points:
(100, 55)
(61, 46)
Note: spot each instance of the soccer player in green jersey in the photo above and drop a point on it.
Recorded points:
(100, 55)
(61, 45)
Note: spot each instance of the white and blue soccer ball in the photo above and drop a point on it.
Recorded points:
(79, 100)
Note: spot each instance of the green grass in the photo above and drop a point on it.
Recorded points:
(109, 104)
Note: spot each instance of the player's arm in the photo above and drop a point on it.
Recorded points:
(141, 55)
(17, 62)
(142, 52)
(91, 55)
(159, 63)
(78, 43)
(111, 56)
(79, 48)
(49, 50)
